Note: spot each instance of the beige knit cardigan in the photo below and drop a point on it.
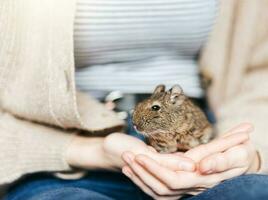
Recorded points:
(40, 108)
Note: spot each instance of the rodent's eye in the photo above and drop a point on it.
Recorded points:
(155, 107)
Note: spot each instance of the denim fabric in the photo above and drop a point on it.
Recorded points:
(97, 185)
(246, 187)
(114, 186)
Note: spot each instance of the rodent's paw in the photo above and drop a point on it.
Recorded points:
(208, 135)
(165, 149)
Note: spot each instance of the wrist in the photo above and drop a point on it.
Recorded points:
(112, 151)
(87, 153)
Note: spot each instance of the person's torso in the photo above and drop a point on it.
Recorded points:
(134, 45)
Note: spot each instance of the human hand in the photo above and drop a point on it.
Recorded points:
(116, 144)
(163, 183)
(219, 156)
(106, 152)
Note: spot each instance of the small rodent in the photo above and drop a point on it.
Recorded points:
(171, 121)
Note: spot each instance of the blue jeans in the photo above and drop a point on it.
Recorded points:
(114, 186)
(103, 185)
(96, 185)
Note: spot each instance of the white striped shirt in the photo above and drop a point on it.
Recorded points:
(133, 45)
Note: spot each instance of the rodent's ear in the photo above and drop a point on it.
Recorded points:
(176, 89)
(159, 89)
(176, 94)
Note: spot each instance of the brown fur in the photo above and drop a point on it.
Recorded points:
(178, 125)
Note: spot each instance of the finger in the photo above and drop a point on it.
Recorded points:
(175, 162)
(127, 171)
(196, 192)
(216, 146)
(235, 157)
(185, 182)
(209, 181)
(149, 180)
(243, 127)
(219, 177)
(158, 187)
(173, 180)
(131, 174)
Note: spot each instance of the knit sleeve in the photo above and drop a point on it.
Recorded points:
(27, 147)
(250, 105)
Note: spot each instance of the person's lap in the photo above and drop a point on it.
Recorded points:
(96, 185)
(110, 185)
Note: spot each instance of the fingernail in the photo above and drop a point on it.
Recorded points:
(126, 172)
(185, 166)
(127, 158)
(208, 172)
(140, 161)
(208, 168)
